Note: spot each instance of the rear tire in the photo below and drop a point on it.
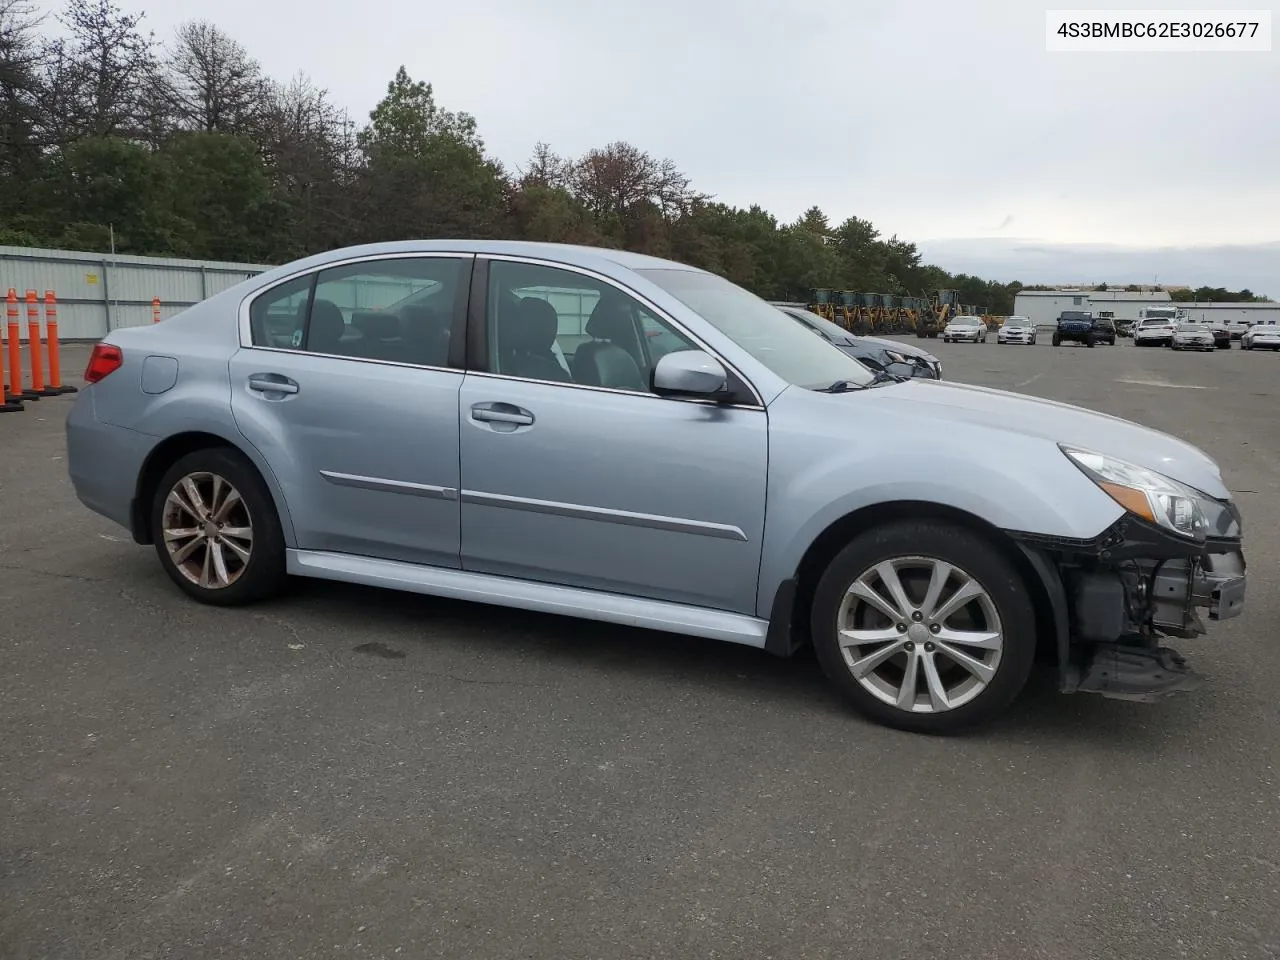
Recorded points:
(216, 529)
(913, 673)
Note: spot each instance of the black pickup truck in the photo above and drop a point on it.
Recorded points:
(1079, 326)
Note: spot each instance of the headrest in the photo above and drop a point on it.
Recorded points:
(609, 321)
(327, 323)
(540, 321)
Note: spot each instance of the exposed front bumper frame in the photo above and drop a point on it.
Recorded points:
(1114, 599)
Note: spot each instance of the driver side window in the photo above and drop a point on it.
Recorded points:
(545, 323)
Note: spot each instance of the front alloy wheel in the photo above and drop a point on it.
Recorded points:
(920, 634)
(924, 626)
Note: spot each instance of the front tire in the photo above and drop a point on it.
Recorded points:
(217, 533)
(924, 626)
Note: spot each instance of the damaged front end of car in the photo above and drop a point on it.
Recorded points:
(1172, 561)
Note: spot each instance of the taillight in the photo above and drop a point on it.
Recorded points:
(105, 359)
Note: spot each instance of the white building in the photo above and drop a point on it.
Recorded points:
(1043, 306)
(1231, 312)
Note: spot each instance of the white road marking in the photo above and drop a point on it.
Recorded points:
(1165, 383)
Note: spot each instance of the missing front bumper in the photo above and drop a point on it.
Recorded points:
(1112, 603)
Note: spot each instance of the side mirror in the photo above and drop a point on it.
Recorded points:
(689, 373)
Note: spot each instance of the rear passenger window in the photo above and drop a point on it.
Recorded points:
(277, 317)
(398, 310)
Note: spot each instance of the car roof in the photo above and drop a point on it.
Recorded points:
(579, 255)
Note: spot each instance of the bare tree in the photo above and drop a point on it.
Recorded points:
(546, 169)
(309, 147)
(99, 81)
(617, 179)
(213, 84)
(21, 57)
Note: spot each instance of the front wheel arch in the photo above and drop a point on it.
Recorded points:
(790, 614)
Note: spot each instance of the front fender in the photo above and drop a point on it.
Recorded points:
(1027, 486)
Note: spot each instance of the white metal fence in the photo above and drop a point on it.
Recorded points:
(98, 293)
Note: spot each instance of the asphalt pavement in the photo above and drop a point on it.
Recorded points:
(354, 773)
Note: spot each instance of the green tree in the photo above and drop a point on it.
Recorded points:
(222, 198)
(99, 186)
(426, 173)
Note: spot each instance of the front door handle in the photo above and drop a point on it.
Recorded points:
(272, 383)
(501, 413)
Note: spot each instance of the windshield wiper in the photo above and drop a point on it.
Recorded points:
(878, 377)
(884, 376)
(843, 386)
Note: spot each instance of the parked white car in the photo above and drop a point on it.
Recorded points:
(1193, 336)
(1016, 330)
(1262, 336)
(965, 328)
(1153, 332)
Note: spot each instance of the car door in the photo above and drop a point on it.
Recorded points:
(582, 476)
(345, 386)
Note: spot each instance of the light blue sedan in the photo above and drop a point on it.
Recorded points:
(488, 421)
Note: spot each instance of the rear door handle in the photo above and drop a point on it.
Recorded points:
(501, 413)
(272, 383)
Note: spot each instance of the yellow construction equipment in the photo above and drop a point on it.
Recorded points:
(890, 313)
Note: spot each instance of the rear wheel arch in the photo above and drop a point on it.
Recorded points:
(824, 548)
(168, 452)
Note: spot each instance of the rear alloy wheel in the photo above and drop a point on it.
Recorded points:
(924, 626)
(216, 529)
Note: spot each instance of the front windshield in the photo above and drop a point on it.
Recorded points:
(964, 322)
(761, 329)
(1194, 326)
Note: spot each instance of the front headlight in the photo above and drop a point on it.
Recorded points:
(895, 357)
(1156, 498)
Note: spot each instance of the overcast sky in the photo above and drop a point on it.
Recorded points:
(941, 121)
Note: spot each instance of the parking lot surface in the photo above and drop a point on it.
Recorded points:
(353, 773)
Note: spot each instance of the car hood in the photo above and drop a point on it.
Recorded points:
(1058, 422)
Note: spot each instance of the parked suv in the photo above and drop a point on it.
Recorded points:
(1104, 330)
(1075, 326)
(484, 420)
